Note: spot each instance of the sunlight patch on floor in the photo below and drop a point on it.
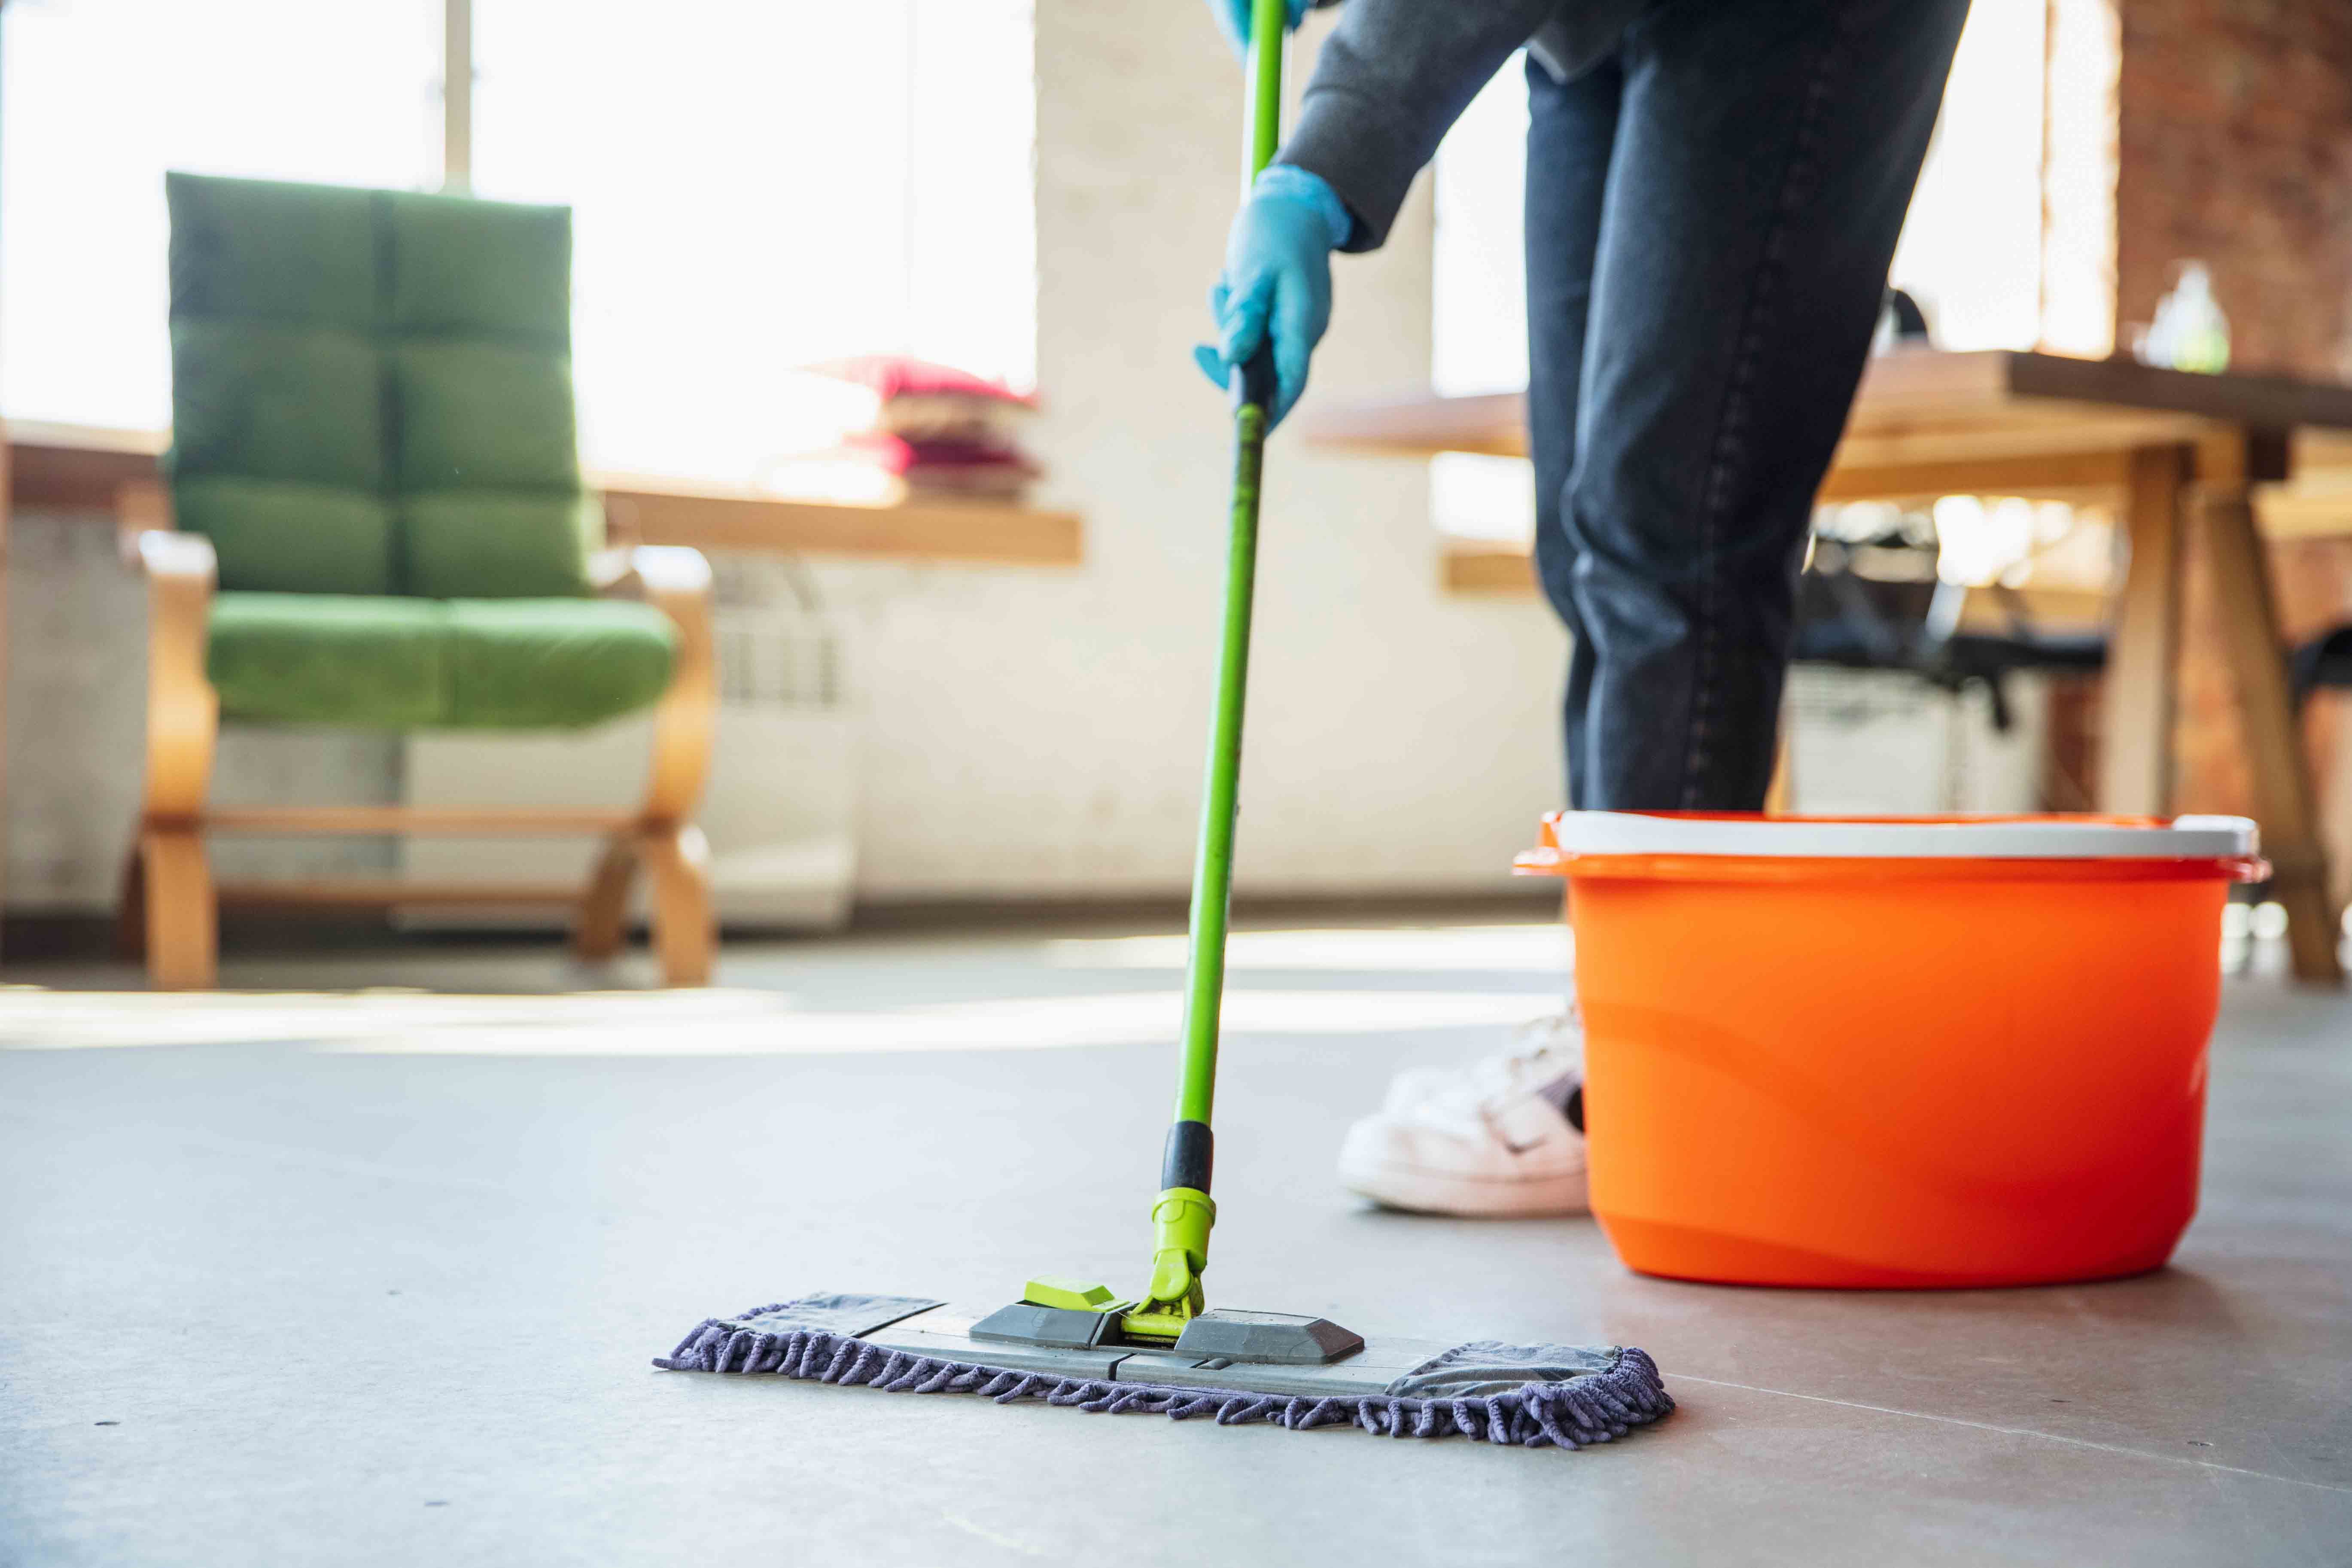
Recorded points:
(1535, 949)
(1123, 1018)
(713, 1023)
(36, 1019)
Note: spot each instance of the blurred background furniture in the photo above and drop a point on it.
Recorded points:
(1847, 619)
(1875, 601)
(375, 519)
(2324, 660)
(2171, 445)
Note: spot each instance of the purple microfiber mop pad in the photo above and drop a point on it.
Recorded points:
(1611, 1392)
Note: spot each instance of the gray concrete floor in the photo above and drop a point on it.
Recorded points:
(301, 1289)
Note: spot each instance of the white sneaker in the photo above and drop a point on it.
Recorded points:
(1549, 1052)
(1494, 1139)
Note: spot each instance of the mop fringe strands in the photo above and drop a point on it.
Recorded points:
(1573, 1413)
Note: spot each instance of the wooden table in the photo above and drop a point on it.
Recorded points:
(2181, 453)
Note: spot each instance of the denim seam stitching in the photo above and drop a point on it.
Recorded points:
(1738, 398)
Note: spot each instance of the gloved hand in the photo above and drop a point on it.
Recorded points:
(1233, 20)
(1277, 285)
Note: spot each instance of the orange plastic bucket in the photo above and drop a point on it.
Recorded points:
(1897, 1052)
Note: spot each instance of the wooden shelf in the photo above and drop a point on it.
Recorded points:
(709, 518)
(77, 468)
(1488, 568)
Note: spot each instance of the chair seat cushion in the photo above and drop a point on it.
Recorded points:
(358, 661)
(529, 664)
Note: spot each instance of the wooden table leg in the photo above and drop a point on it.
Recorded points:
(2336, 812)
(2143, 656)
(1782, 790)
(2284, 803)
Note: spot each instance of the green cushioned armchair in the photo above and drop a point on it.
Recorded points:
(374, 519)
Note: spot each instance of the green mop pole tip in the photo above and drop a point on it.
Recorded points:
(1180, 1218)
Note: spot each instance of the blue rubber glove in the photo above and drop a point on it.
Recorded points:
(1233, 20)
(1276, 286)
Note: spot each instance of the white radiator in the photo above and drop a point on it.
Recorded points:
(1868, 742)
(779, 811)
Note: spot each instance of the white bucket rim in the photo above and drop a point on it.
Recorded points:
(1958, 838)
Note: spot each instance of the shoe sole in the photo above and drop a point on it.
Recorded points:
(1469, 1197)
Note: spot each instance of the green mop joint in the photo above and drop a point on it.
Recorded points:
(1179, 1224)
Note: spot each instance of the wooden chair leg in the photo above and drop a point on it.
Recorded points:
(604, 907)
(2283, 800)
(676, 858)
(686, 932)
(183, 940)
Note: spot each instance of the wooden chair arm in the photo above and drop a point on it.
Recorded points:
(183, 710)
(141, 507)
(677, 581)
(649, 572)
(613, 574)
(177, 565)
(672, 571)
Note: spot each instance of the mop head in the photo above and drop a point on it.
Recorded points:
(1531, 1396)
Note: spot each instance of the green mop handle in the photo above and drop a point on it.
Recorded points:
(1183, 1214)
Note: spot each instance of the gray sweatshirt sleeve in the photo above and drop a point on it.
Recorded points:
(1393, 77)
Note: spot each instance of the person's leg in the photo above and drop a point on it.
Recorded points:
(1572, 131)
(1766, 153)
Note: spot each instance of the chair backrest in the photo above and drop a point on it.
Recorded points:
(372, 391)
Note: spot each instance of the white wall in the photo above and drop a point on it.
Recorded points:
(1039, 733)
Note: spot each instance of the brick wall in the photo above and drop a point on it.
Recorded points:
(2234, 146)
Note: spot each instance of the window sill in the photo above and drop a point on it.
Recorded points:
(77, 468)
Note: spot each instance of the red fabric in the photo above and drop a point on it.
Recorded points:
(898, 375)
(896, 454)
(1005, 484)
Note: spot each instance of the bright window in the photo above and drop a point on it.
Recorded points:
(101, 95)
(1478, 303)
(1971, 248)
(755, 188)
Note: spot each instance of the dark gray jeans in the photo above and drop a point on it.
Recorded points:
(1710, 214)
